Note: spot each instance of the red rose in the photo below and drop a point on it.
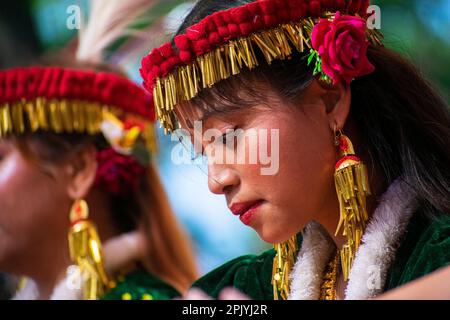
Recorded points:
(117, 174)
(342, 46)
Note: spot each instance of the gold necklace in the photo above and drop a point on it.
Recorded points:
(283, 262)
(329, 284)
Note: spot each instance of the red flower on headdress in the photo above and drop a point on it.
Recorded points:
(117, 174)
(342, 46)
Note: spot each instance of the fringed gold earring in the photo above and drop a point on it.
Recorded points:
(283, 263)
(86, 252)
(352, 187)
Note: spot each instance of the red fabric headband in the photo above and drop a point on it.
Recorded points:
(223, 26)
(63, 83)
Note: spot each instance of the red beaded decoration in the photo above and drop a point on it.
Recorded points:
(223, 43)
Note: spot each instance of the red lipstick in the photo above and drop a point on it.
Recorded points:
(246, 210)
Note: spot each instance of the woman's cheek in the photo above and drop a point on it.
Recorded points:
(27, 196)
(8, 167)
(12, 193)
(13, 224)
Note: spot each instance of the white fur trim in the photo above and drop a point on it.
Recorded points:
(69, 288)
(373, 258)
(380, 242)
(117, 252)
(29, 292)
(317, 249)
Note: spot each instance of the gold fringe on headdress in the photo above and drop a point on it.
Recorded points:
(187, 81)
(63, 116)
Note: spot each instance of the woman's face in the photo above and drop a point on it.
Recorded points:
(280, 204)
(33, 203)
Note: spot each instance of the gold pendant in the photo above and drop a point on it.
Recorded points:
(86, 252)
(352, 187)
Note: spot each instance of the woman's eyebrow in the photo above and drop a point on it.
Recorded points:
(206, 115)
(211, 113)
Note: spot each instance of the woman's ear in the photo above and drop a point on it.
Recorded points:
(338, 102)
(81, 171)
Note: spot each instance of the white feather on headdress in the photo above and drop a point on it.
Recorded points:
(108, 21)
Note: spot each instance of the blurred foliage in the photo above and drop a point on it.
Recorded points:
(420, 30)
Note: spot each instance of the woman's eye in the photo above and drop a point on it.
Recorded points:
(227, 135)
(229, 138)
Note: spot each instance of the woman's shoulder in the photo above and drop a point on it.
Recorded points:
(426, 248)
(251, 274)
(141, 285)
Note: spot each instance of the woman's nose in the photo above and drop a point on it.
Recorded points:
(221, 179)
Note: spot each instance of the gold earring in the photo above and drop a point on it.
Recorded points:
(352, 187)
(86, 252)
(283, 262)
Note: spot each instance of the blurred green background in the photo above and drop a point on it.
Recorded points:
(420, 30)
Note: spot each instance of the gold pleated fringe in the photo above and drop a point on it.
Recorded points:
(283, 263)
(352, 186)
(86, 252)
(187, 81)
(62, 116)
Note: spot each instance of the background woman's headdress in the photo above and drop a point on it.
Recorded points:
(83, 100)
(222, 44)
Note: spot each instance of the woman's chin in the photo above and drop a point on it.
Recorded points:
(272, 236)
(273, 228)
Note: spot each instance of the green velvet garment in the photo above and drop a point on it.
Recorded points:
(425, 248)
(141, 285)
(249, 274)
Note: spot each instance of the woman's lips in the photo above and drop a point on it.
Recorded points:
(246, 210)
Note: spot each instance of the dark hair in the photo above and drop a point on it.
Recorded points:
(402, 121)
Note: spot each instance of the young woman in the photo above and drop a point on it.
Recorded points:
(76, 169)
(360, 202)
